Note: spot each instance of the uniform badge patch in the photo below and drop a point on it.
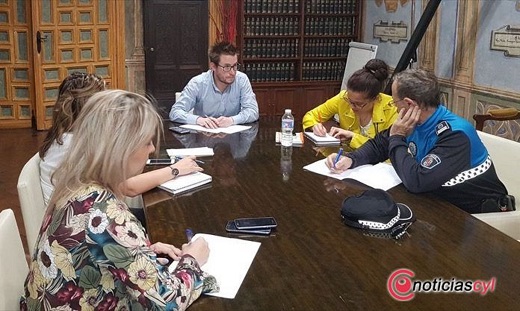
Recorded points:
(430, 161)
(441, 127)
(412, 148)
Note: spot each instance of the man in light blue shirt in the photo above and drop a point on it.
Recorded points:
(220, 97)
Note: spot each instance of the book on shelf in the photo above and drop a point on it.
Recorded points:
(326, 140)
(297, 138)
(184, 183)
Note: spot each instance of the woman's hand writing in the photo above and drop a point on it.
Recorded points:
(198, 249)
(319, 130)
(187, 166)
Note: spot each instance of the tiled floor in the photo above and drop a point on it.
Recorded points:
(16, 148)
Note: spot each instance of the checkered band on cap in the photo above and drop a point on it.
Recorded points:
(380, 225)
(469, 174)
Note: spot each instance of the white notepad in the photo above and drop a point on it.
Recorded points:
(379, 176)
(326, 140)
(183, 152)
(184, 183)
(229, 260)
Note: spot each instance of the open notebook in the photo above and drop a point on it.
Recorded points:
(229, 260)
(185, 183)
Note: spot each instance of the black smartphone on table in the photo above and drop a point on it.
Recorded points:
(179, 130)
(232, 228)
(255, 223)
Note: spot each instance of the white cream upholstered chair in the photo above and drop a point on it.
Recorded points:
(13, 264)
(505, 154)
(31, 199)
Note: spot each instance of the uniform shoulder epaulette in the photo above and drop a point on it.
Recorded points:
(441, 127)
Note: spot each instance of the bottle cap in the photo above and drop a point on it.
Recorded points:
(287, 110)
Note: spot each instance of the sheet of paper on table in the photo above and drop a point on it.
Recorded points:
(227, 130)
(379, 176)
(229, 260)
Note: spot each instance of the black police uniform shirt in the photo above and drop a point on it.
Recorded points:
(443, 155)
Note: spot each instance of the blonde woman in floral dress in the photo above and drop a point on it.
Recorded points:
(92, 253)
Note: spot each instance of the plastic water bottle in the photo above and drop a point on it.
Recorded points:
(286, 162)
(287, 128)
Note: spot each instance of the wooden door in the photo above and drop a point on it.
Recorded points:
(74, 35)
(176, 46)
(16, 75)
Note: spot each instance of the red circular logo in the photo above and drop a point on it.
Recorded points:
(399, 285)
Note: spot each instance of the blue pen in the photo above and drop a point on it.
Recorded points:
(189, 234)
(340, 152)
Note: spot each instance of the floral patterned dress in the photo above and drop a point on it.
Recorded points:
(93, 254)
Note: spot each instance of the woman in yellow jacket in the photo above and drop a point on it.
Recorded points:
(362, 110)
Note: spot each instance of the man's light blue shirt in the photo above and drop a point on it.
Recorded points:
(202, 95)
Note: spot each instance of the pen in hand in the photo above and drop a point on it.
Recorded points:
(177, 158)
(338, 156)
(318, 128)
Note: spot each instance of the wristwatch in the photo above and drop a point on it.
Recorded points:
(175, 171)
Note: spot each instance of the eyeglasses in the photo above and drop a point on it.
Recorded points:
(228, 68)
(354, 104)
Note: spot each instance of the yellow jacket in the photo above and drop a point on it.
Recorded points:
(383, 115)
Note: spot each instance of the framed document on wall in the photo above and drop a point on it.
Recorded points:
(358, 55)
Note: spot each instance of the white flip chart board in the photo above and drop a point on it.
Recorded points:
(358, 55)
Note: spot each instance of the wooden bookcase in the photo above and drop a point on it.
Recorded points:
(294, 51)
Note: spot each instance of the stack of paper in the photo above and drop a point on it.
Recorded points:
(326, 140)
(183, 152)
(297, 138)
(379, 176)
(229, 260)
(184, 183)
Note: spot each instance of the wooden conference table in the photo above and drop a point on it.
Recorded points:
(315, 262)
